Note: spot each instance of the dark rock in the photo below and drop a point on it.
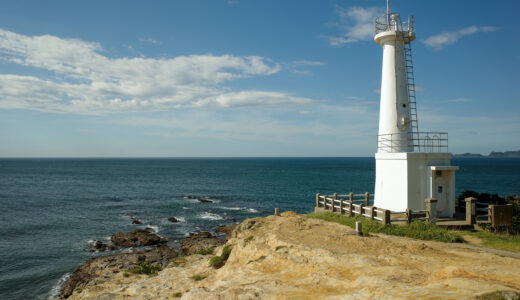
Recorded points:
(227, 229)
(136, 238)
(199, 241)
(136, 221)
(191, 197)
(173, 220)
(98, 270)
(205, 200)
(99, 246)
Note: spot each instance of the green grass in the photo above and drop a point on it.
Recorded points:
(417, 229)
(218, 261)
(498, 241)
(198, 277)
(177, 295)
(248, 239)
(205, 251)
(146, 268)
(279, 247)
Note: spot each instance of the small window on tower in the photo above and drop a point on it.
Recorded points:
(439, 189)
(438, 173)
(404, 105)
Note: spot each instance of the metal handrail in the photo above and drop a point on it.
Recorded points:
(384, 23)
(415, 142)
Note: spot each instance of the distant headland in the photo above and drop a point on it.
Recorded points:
(492, 154)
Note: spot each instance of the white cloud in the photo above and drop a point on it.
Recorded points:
(355, 23)
(84, 80)
(151, 41)
(438, 41)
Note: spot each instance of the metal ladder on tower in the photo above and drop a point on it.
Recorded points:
(412, 104)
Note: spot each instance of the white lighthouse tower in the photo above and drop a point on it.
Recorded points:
(410, 165)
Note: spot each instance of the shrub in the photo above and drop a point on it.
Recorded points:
(205, 251)
(216, 262)
(198, 277)
(146, 268)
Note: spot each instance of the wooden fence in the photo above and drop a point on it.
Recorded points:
(359, 205)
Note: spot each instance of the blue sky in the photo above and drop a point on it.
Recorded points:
(246, 78)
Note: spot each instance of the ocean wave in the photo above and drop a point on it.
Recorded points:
(210, 216)
(251, 210)
(56, 288)
(155, 228)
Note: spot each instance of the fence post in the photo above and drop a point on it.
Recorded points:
(372, 212)
(350, 206)
(470, 210)
(367, 198)
(334, 197)
(340, 206)
(431, 207)
(408, 215)
(318, 200)
(386, 216)
(361, 207)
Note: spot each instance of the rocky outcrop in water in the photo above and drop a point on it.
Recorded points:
(137, 238)
(199, 241)
(227, 229)
(173, 220)
(98, 270)
(99, 246)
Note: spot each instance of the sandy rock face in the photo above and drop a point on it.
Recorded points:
(293, 257)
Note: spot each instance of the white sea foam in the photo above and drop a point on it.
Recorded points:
(251, 210)
(153, 227)
(56, 288)
(181, 219)
(210, 216)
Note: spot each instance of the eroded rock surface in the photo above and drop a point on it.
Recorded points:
(199, 241)
(227, 229)
(137, 238)
(100, 269)
(294, 257)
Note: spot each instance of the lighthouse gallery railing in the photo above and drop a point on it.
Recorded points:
(421, 142)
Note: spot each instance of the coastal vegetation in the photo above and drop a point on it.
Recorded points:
(218, 261)
(146, 268)
(417, 229)
(206, 251)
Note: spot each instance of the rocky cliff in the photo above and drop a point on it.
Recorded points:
(294, 257)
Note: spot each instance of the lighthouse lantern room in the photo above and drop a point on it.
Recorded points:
(411, 166)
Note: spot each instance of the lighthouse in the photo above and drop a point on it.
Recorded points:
(411, 166)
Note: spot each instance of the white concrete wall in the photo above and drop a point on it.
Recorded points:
(403, 180)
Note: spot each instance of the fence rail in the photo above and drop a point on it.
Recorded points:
(413, 141)
(359, 205)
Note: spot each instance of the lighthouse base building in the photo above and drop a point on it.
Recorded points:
(404, 180)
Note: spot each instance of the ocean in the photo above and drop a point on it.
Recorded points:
(51, 209)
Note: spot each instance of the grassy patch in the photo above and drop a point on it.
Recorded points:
(177, 295)
(146, 268)
(258, 259)
(500, 295)
(218, 261)
(417, 229)
(279, 247)
(248, 239)
(498, 241)
(205, 251)
(178, 262)
(198, 277)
